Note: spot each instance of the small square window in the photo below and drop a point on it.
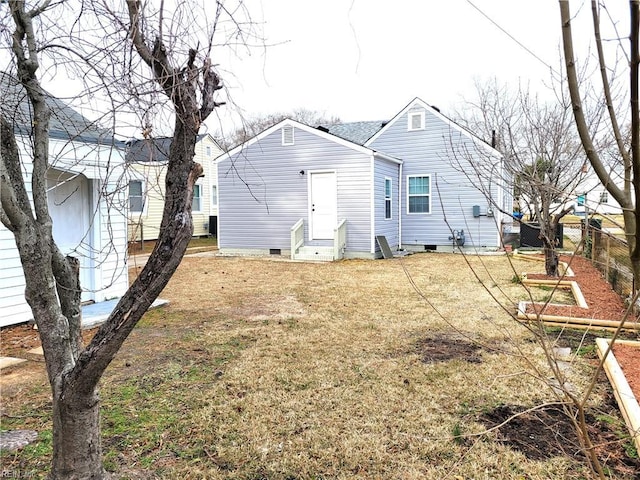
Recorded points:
(416, 121)
(604, 197)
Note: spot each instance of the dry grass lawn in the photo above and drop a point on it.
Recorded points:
(273, 369)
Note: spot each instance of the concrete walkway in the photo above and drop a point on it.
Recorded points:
(97, 313)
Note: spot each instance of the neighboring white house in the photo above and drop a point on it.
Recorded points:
(86, 198)
(591, 196)
(147, 163)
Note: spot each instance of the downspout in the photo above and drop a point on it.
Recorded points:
(373, 203)
(400, 207)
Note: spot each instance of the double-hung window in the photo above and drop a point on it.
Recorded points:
(196, 205)
(419, 194)
(387, 198)
(136, 196)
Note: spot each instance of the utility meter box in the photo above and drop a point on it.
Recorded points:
(476, 210)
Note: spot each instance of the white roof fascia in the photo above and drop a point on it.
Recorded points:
(301, 126)
(448, 121)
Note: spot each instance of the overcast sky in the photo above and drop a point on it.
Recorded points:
(366, 59)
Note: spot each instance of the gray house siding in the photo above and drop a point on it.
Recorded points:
(443, 153)
(390, 228)
(262, 192)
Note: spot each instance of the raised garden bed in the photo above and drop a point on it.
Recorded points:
(622, 366)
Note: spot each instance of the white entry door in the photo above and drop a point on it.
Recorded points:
(324, 199)
(68, 201)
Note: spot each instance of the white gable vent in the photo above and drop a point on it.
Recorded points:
(287, 135)
(416, 121)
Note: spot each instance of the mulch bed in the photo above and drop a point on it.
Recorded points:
(603, 302)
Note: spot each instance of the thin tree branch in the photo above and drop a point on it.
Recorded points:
(583, 130)
(607, 91)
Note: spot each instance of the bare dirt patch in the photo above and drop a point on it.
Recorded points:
(17, 340)
(442, 348)
(548, 432)
(260, 308)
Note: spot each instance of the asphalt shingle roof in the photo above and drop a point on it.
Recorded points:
(356, 132)
(65, 123)
(152, 150)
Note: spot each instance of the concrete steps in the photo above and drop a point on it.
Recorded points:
(315, 253)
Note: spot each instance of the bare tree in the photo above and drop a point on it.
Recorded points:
(253, 126)
(627, 191)
(142, 39)
(542, 156)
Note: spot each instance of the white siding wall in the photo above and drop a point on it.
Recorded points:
(108, 236)
(390, 228)
(111, 253)
(453, 189)
(262, 193)
(13, 307)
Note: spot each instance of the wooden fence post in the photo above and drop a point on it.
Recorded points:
(606, 258)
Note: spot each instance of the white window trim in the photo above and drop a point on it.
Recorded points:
(411, 116)
(427, 195)
(284, 135)
(201, 196)
(389, 198)
(145, 197)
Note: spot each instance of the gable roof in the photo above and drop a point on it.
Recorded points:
(436, 112)
(320, 132)
(65, 123)
(356, 132)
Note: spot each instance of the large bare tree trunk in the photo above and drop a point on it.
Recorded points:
(77, 450)
(52, 283)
